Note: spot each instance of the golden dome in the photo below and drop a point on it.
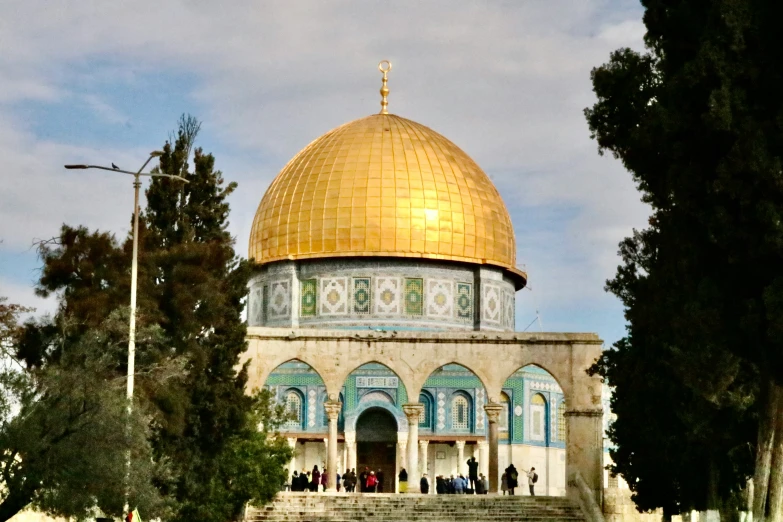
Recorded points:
(384, 186)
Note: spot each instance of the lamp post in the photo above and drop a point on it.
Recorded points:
(134, 265)
(134, 271)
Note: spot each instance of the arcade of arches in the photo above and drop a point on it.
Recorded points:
(513, 397)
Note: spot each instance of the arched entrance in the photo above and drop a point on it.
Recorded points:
(376, 444)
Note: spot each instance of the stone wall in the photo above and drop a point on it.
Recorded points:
(618, 507)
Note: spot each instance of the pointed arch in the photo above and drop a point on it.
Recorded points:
(426, 417)
(458, 398)
(297, 386)
(378, 382)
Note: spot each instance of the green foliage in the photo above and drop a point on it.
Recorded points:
(191, 290)
(66, 437)
(697, 123)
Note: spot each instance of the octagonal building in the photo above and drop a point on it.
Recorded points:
(382, 311)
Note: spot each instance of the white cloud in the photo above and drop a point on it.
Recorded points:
(507, 81)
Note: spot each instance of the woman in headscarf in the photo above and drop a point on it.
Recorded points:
(315, 479)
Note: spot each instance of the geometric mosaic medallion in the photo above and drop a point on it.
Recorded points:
(387, 295)
(334, 296)
(414, 296)
(279, 300)
(361, 295)
(440, 298)
(508, 309)
(308, 293)
(464, 300)
(491, 303)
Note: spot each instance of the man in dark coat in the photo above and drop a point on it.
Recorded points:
(440, 485)
(363, 479)
(425, 484)
(472, 472)
(511, 476)
(379, 476)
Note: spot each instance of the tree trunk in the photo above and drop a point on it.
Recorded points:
(776, 469)
(13, 504)
(712, 513)
(766, 437)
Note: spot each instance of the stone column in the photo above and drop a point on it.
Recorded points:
(350, 443)
(402, 456)
(333, 412)
(423, 461)
(493, 415)
(292, 463)
(584, 451)
(460, 456)
(412, 411)
(483, 458)
(402, 445)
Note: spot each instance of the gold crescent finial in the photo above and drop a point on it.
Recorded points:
(384, 66)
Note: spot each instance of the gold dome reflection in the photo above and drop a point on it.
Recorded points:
(383, 186)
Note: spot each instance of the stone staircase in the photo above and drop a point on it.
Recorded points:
(336, 507)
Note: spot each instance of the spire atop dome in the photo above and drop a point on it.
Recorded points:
(384, 66)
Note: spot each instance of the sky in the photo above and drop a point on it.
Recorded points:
(507, 81)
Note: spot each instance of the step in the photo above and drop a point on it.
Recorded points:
(385, 507)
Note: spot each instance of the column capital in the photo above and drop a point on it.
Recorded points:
(412, 411)
(424, 443)
(460, 444)
(350, 437)
(482, 444)
(493, 411)
(291, 441)
(333, 409)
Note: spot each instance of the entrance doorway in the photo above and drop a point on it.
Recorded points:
(376, 445)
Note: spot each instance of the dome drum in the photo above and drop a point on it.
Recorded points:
(388, 293)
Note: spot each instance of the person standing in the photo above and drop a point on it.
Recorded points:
(486, 484)
(473, 472)
(459, 485)
(403, 476)
(424, 484)
(512, 477)
(324, 479)
(504, 482)
(372, 481)
(363, 480)
(480, 484)
(337, 479)
(440, 485)
(532, 478)
(315, 479)
(379, 478)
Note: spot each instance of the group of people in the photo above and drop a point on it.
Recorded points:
(370, 481)
(509, 481)
(309, 481)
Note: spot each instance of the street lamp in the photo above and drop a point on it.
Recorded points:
(134, 268)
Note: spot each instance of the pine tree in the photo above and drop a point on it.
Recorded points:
(199, 288)
(192, 286)
(697, 122)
